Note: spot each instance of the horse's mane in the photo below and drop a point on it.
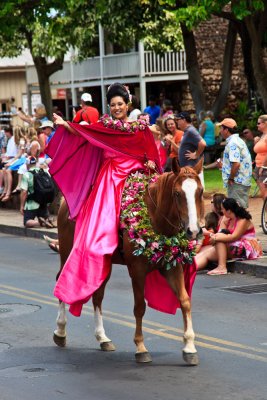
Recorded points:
(160, 204)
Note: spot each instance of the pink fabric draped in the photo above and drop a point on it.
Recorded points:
(96, 235)
(158, 293)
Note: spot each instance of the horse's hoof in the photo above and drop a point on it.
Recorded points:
(107, 346)
(191, 358)
(143, 357)
(59, 340)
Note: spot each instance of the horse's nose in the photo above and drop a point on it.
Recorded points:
(189, 234)
(200, 232)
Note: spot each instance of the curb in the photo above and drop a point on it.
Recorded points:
(256, 268)
(28, 232)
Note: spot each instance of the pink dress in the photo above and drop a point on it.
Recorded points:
(96, 234)
(247, 247)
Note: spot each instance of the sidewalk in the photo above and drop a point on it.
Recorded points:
(11, 222)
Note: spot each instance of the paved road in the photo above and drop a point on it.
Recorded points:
(231, 339)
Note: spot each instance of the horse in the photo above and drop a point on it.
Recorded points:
(175, 204)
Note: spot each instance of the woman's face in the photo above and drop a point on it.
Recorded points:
(261, 125)
(170, 125)
(118, 108)
(227, 213)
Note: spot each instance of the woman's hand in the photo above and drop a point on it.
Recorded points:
(58, 120)
(150, 164)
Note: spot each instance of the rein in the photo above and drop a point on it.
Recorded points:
(179, 227)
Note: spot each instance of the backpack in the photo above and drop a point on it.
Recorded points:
(43, 187)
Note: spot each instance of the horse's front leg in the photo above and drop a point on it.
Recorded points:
(138, 282)
(105, 343)
(60, 334)
(175, 278)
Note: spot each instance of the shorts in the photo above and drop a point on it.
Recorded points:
(42, 211)
(239, 193)
(261, 177)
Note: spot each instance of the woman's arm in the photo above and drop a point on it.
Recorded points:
(241, 227)
(25, 118)
(60, 121)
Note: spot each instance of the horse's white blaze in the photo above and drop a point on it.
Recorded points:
(99, 327)
(61, 320)
(189, 187)
(189, 337)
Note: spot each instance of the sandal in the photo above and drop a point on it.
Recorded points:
(7, 197)
(54, 247)
(48, 239)
(44, 223)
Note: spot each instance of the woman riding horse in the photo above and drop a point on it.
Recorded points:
(174, 204)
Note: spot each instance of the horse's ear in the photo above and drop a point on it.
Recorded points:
(175, 166)
(198, 167)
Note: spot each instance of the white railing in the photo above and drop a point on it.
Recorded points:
(115, 66)
(169, 63)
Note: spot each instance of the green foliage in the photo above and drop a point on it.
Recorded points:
(47, 28)
(245, 117)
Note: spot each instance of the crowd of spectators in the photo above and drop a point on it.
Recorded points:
(177, 135)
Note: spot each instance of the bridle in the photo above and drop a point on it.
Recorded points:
(180, 227)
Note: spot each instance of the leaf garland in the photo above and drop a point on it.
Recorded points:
(169, 251)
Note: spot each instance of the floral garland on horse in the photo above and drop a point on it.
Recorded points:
(169, 251)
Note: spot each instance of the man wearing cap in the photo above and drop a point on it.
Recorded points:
(192, 145)
(87, 113)
(236, 164)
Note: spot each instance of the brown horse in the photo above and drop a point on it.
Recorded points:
(174, 203)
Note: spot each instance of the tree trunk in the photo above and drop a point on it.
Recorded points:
(195, 80)
(246, 52)
(259, 67)
(226, 69)
(44, 71)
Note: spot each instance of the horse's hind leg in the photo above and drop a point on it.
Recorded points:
(105, 343)
(175, 278)
(60, 333)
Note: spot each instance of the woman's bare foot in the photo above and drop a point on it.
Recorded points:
(220, 270)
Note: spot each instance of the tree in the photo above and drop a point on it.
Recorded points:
(48, 29)
(249, 19)
(144, 19)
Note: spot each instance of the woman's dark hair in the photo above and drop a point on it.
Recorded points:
(171, 117)
(135, 102)
(217, 200)
(117, 89)
(212, 221)
(232, 205)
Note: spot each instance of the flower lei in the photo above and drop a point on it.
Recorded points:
(134, 217)
(123, 126)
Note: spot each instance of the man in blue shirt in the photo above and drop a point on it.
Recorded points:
(152, 109)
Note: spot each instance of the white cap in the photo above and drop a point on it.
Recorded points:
(86, 97)
(46, 124)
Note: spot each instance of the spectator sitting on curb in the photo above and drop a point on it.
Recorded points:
(30, 209)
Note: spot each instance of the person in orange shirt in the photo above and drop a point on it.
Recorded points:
(260, 149)
(173, 139)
